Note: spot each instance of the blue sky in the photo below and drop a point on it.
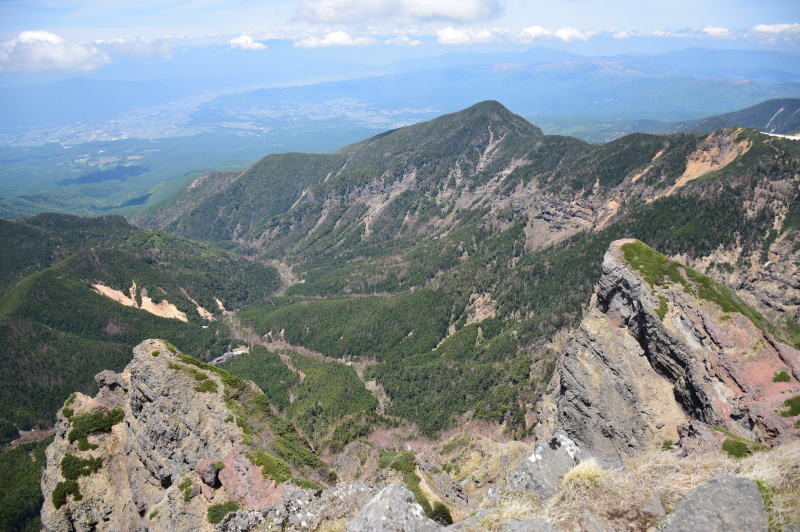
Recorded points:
(41, 35)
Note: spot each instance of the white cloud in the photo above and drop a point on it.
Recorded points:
(535, 32)
(361, 10)
(36, 51)
(403, 40)
(138, 47)
(572, 34)
(777, 29)
(661, 33)
(452, 35)
(717, 31)
(245, 42)
(566, 34)
(625, 34)
(334, 38)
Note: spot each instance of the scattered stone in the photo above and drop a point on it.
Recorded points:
(723, 504)
(653, 507)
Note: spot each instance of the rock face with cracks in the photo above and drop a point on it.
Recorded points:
(147, 479)
(661, 345)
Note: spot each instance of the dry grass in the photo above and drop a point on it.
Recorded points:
(338, 525)
(586, 474)
(618, 495)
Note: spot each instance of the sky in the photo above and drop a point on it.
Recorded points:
(83, 35)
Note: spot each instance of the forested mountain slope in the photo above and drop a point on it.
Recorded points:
(477, 238)
(78, 293)
(430, 277)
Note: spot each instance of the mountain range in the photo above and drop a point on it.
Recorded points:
(446, 273)
(173, 121)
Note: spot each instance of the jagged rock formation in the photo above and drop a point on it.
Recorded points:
(662, 344)
(179, 446)
(663, 354)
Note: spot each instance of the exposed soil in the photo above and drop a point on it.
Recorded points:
(28, 436)
(163, 309)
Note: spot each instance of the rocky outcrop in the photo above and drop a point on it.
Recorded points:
(301, 509)
(393, 509)
(722, 504)
(542, 472)
(660, 348)
(173, 452)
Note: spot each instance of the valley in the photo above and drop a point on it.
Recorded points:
(423, 310)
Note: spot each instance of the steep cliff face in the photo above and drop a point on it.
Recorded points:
(659, 346)
(161, 444)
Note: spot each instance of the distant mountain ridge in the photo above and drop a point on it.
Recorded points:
(776, 116)
(781, 116)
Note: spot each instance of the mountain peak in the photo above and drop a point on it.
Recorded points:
(488, 106)
(491, 112)
(481, 123)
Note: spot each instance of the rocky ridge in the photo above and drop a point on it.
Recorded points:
(179, 446)
(660, 345)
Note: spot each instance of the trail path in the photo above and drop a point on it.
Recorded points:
(246, 334)
(28, 436)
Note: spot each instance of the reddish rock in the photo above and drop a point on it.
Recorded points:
(205, 469)
(246, 483)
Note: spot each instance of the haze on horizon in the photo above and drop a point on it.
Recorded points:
(111, 106)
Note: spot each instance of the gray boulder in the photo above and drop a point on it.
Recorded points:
(471, 522)
(542, 472)
(653, 506)
(723, 504)
(393, 509)
(530, 525)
